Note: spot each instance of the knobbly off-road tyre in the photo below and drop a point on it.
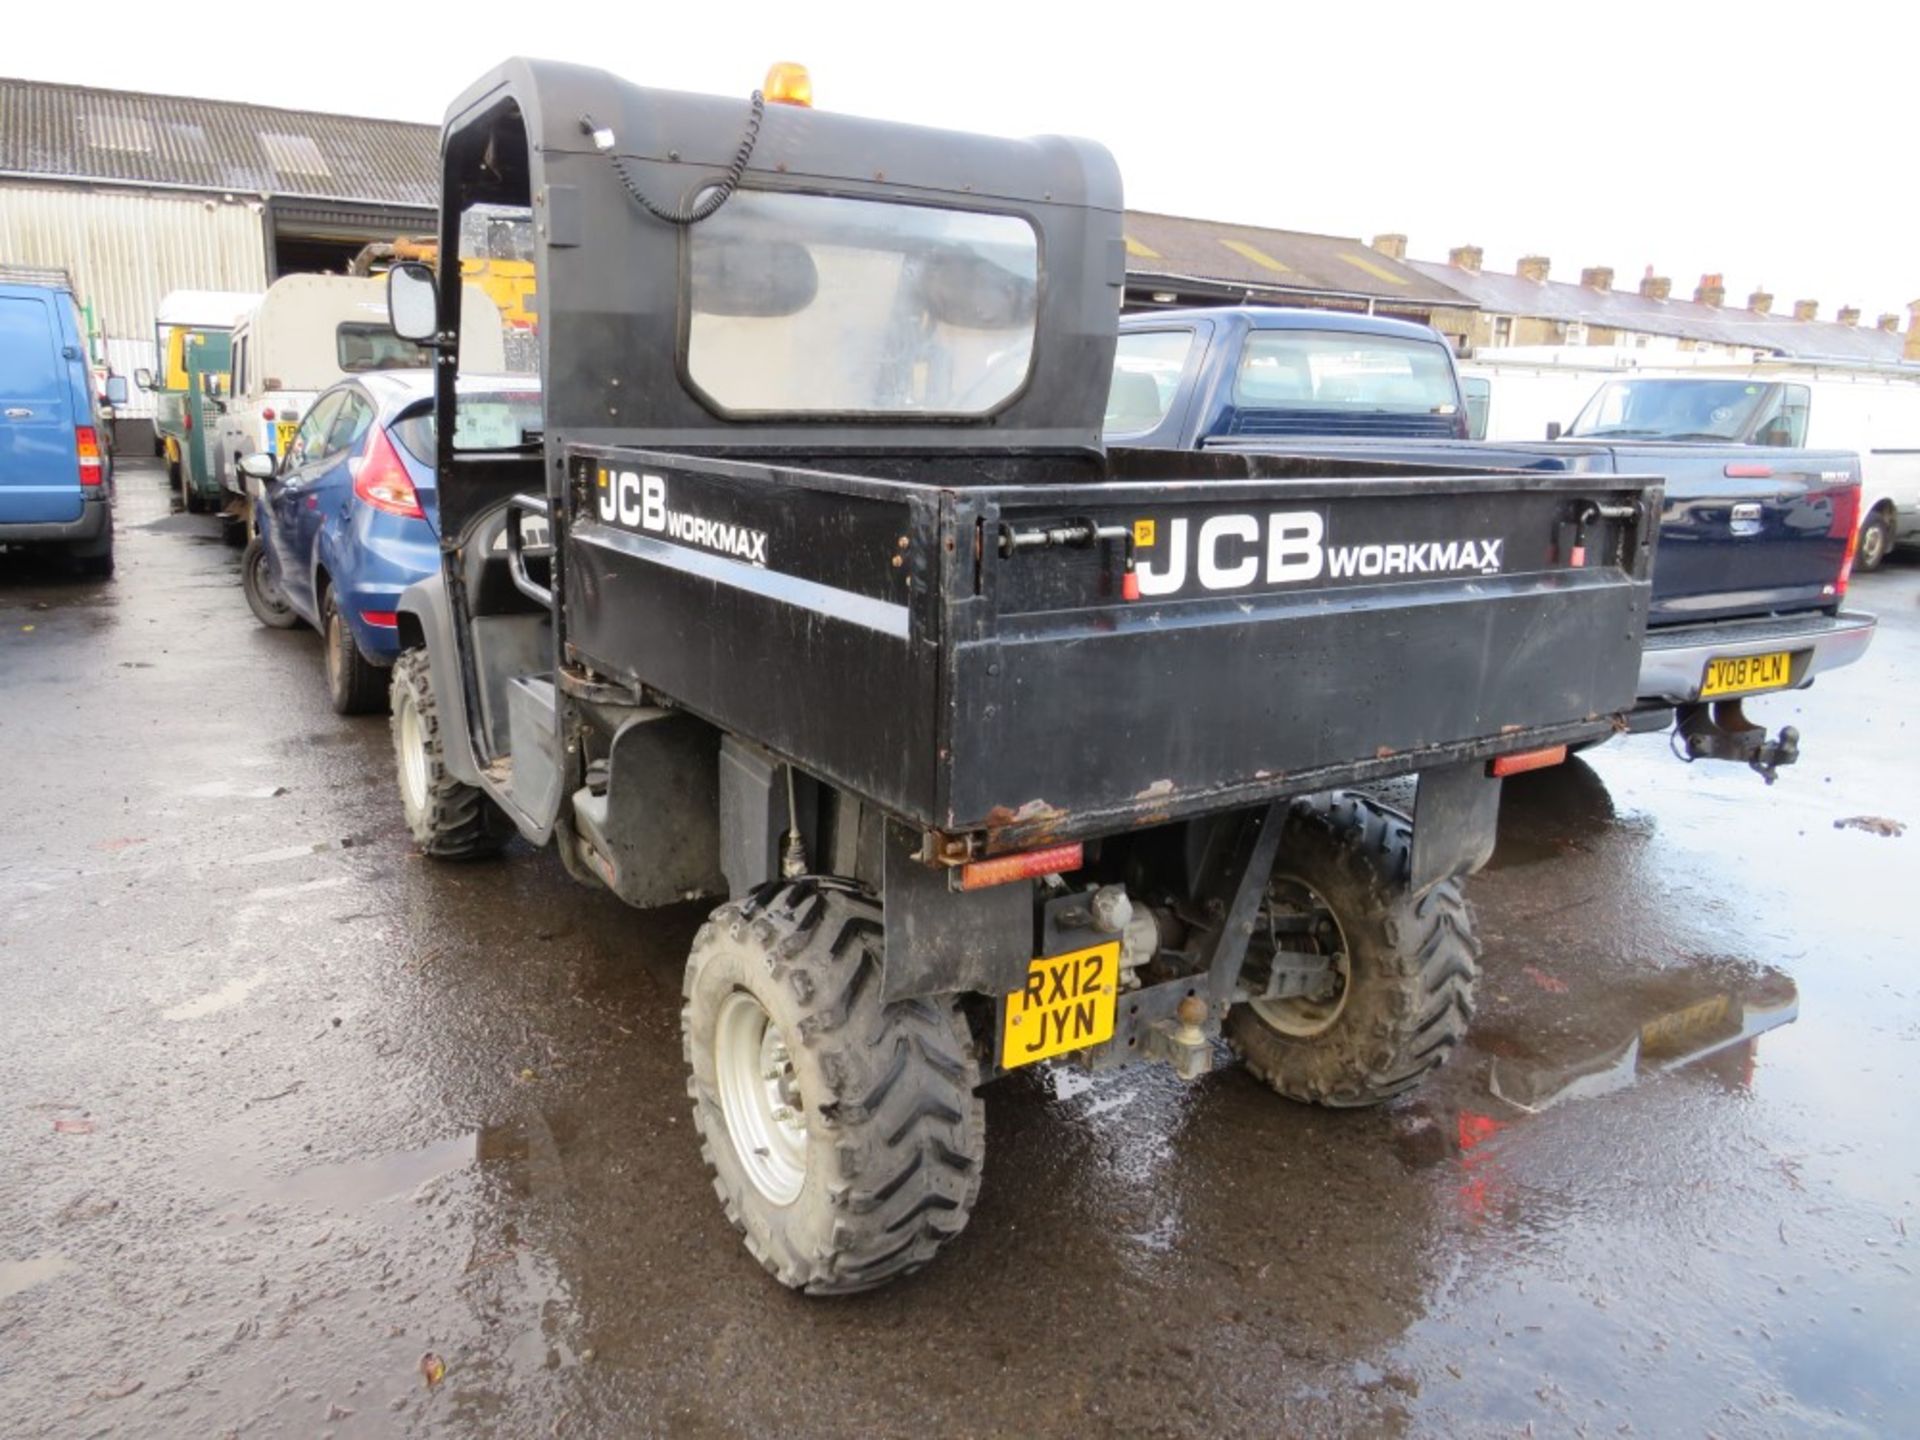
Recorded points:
(1411, 968)
(449, 819)
(885, 1166)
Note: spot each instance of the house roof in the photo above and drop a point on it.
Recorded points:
(1685, 319)
(76, 132)
(1175, 247)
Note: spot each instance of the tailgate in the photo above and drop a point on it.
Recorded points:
(1747, 530)
(1287, 635)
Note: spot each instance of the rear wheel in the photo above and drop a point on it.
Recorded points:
(262, 589)
(843, 1133)
(354, 683)
(1400, 973)
(450, 819)
(1876, 541)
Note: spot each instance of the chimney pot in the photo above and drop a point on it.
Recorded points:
(1466, 257)
(1889, 322)
(1760, 302)
(1849, 315)
(1394, 247)
(1534, 268)
(1597, 277)
(1655, 287)
(1712, 290)
(1806, 309)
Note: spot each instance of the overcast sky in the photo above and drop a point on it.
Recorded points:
(1776, 146)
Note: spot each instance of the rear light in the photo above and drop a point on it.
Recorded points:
(382, 481)
(1524, 760)
(266, 412)
(388, 618)
(186, 421)
(86, 441)
(1846, 521)
(1054, 860)
(1749, 472)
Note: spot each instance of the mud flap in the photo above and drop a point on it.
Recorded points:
(942, 941)
(1456, 817)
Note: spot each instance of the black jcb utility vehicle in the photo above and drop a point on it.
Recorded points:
(818, 592)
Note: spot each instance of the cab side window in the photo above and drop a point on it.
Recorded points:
(309, 443)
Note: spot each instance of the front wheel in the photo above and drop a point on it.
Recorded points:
(1876, 542)
(1397, 992)
(843, 1132)
(450, 819)
(262, 588)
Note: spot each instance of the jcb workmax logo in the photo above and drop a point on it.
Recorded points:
(1231, 552)
(640, 503)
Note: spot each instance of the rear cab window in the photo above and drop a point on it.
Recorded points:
(1334, 370)
(368, 345)
(827, 305)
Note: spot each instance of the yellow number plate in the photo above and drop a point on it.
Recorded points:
(283, 433)
(1068, 1004)
(1740, 675)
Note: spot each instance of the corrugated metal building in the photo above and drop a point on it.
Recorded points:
(1175, 260)
(137, 195)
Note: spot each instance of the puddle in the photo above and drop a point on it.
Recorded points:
(1668, 1040)
(350, 1184)
(296, 852)
(18, 1275)
(305, 887)
(527, 1152)
(225, 998)
(227, 790)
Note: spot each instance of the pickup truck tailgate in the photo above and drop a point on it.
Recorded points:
(969, 656)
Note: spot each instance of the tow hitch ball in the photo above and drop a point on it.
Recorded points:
(1722, 731)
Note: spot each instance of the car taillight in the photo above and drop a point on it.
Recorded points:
(382, 480)
(1846, 521)
(86, 440)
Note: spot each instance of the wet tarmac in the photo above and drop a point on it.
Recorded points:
(293, 1122)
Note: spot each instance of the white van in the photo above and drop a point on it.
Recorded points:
(306, 333)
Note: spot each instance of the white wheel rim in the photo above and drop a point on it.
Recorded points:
(1871, 544)
(760, 1098)
(1297, 1016)
(413, 757)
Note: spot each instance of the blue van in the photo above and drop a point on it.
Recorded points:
(56, 479)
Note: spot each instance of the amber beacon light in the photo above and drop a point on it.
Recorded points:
(788, 84)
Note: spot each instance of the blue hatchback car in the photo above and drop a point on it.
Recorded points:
(348, 516)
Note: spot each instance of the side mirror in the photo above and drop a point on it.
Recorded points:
(143, 377)
(413, 308)
(257, 467)
(1553, 429)
(116, 389)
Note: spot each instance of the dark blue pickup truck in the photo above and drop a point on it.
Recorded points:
(1756, 542)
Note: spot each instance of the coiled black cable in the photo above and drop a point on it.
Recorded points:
(713, 197)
